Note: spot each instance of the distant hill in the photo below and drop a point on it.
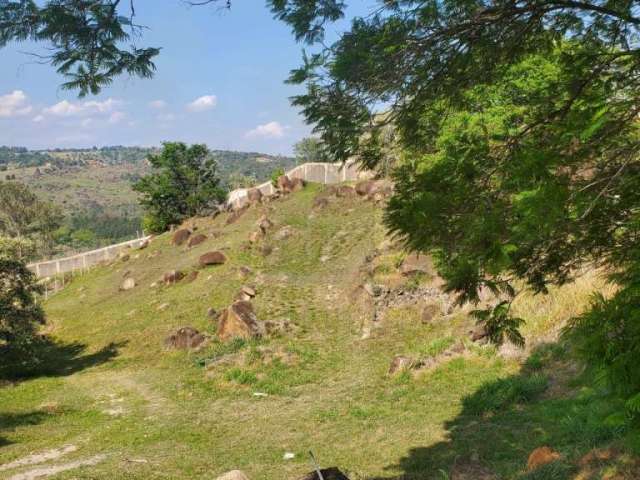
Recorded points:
(93, 186)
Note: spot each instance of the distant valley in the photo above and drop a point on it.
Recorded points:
(93, 187)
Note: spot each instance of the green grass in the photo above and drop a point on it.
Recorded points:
(194, 415)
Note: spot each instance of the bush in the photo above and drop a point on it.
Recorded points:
(276, 174)
(505, 392)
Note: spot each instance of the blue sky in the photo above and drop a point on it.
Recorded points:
(220, 81)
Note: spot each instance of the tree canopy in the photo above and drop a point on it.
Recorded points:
(184, 183)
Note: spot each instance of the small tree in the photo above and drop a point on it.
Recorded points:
(20, 314)
(185, 183)
(310, 149)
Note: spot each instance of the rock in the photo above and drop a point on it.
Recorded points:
(320, 202)
(429, 312)
(266, 250)
(233, 475)
(192, 276)
(284, 184)
(374, 290)
(400, 364)
(245, 271)
(212, 258)
(599, 455)
(256, 236)
(125, 257)
(374, 189)
(239, 320)
(236, 214)
(332, 473)
(171, 277)
(196, 240)
(416, 263)
(345, 191)
(479, 333)
(541, 456)
(364, 187)
(184, 338)
(265, 224)
(212, 313)
(278, 327)
(180, 236)
(163, 307)
(254, 195)
(297, 184)
(143, 245)
(284, 233)
(128, 284)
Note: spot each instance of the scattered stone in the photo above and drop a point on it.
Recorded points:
(265, 224)
(320, 202)
(345, 191)
(185, 338)
(284, 184)
(249, 291)
(332, 473)
(171, 277)
(541, 456)
(254, 195)
(212, 313)
(125, 257)
(429, 312)
(266, 250)
(163, 307)
(233, 475)
(180, 236)
(260, 394)
(236, 214)
(597, 455)
(256, 236)
(325, 258)
(143, 245)
(128, 284)
(400, 364)
(245, 271)
(239, 320)
(288, 456)
(196, 240)
(374, 290)
(416, 263)
(479, 334)
(192, 276)
(153, 285)
(212, 258)
(297, 184)
(284, 233)
(278, 327)
(126, 273)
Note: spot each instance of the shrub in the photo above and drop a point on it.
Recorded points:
(505, 392)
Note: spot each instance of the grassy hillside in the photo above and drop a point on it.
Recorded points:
(125, 407)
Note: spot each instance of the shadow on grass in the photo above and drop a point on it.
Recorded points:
(9, 421)
(546, 403)
(49, 358)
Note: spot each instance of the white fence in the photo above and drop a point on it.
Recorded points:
(82, 261)
(326, 173)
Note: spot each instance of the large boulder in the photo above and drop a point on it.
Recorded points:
(265, 224)
(284, 183)
(256, 236)
(416, 263)
(239, 320)
(212, 258)
(400, 364)
(184, 338)
(196, 240)
(172, 276)
(254, 195)
(332, 473)
(345, 191)
(180, 236)
(541, 456)
(233, 475)
(297, 184)
(374, 189)
(128, 284)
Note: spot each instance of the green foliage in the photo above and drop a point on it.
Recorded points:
(310, 149)
(20, 314)
(24, 216)
(185, 183)
(276, 174)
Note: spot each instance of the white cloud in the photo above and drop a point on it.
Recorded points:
(86, 123)
(166, 117)
(117, 117)
(158, 104)
(38, 118)
(14, 104)
(77, 109)
(268, 130)
(202, 104)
